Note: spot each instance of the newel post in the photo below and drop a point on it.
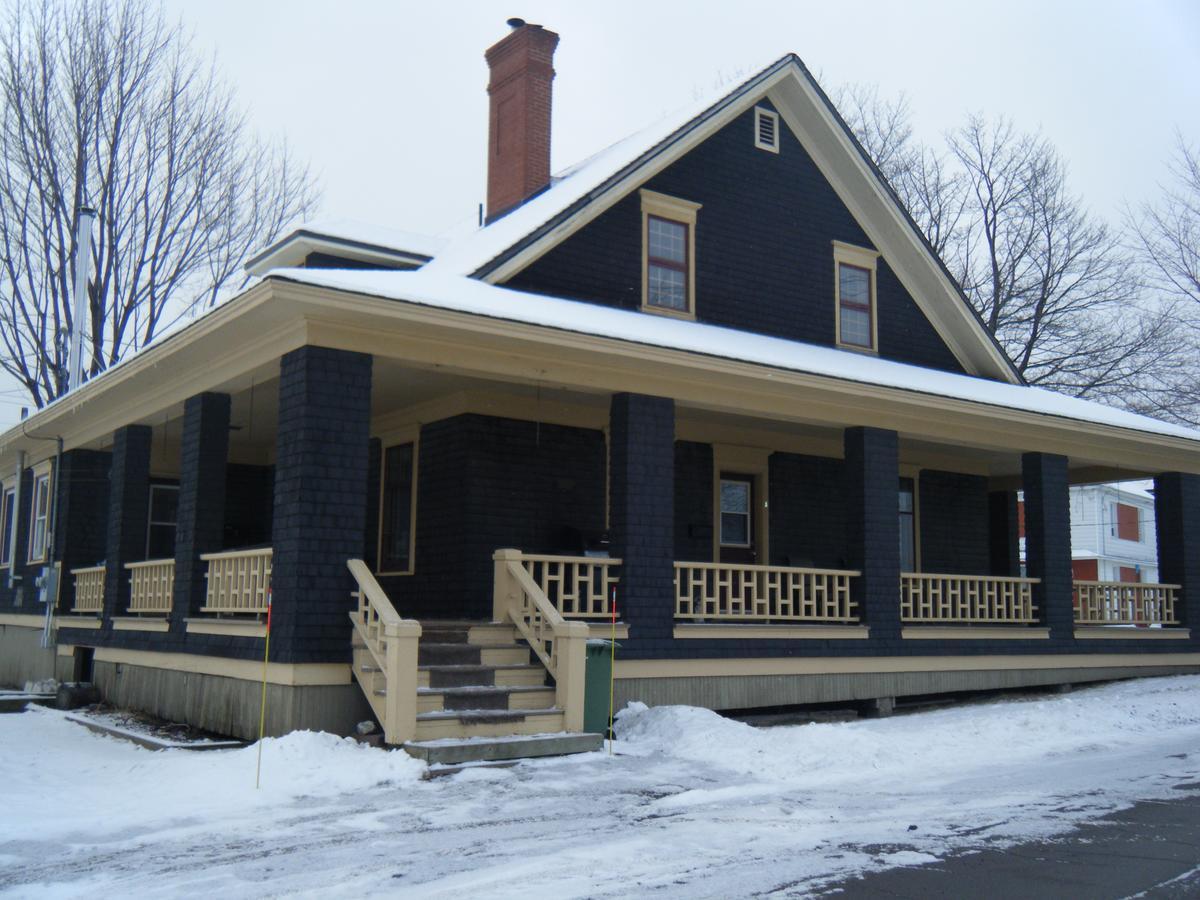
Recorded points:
(501, 583)
(569, 677)
(401, 700)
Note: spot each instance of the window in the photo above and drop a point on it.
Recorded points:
(164, 513)
(908, 529)
(766, 129)
(668, 255)
(39, 517)
(397, 511)
(854, 290)
(1125, 522)
(8, 522)
(735, 512)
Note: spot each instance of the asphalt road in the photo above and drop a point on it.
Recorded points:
(1150, 850)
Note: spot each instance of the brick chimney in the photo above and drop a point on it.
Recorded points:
(522, 71)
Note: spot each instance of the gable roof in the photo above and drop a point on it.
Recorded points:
(500, 250)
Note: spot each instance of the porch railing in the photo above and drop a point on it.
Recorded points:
(238, 581)
(969, 599)
(717, 591)
(1125, 603)
(561, 645)
(151, 586)
(579, 587)
(385, 656)
(89, 589)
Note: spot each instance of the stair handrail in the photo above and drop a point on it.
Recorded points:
(392, 642)
(559, 643)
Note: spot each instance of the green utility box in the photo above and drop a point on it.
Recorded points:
(596, 686)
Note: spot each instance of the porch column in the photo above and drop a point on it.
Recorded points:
(1004, 540)
(200, 522)
(641, 463)
(81, 535)
(1177, 522)
(1048, 540)
(320, 500)
(128, 511)
(873, 527)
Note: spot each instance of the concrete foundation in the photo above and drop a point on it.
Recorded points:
(756, 691)
(22, 657)
(230, 706)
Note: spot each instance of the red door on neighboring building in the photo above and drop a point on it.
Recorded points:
(1084, 570)
(1129, 574)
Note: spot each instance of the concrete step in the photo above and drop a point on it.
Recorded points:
(468, 723)
(484, 697)
(453, 751)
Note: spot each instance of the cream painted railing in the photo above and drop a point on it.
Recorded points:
(238, 581)
(151, 586)
(1125, 603)
(580, 587)
(717, 591)
(970, 599)
(560, 644)
(385, 656)
(89, 589)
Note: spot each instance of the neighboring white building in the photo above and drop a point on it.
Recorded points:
(1112, 532)
(1113, 537)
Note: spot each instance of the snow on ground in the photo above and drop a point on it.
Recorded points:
(691, 805)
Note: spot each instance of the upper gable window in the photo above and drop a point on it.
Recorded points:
(766, 129)
(668, 255)
(854, 294)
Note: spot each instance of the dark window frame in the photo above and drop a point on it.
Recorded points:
(389, 562)
(670, 264)
(868, 307)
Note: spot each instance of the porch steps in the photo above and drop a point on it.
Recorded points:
(481, 693)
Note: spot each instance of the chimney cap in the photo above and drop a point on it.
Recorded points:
(514, 23)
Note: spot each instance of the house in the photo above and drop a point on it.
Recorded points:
(1112, 532)
(713, 373)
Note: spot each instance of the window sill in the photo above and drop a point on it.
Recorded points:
(229, 627)
(974, 632)
(139, 623)
(687, 315)
(604, 630)
(1131, 633)
(731, 631)
(77, 622)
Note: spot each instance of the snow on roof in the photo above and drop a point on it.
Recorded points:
(468, 254)
(454, 292)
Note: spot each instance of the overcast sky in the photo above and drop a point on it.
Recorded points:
(387, 99)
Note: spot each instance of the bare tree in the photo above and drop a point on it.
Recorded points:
(106, 104)
(1054, 285)
(1168, 232)
(924, 181)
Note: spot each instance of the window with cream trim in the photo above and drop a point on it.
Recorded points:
(668, 255)
(857, 324)
(8, 521)
(397, 509)
(39, 514)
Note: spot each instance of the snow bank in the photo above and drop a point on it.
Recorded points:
(932, 745)
(59, 763)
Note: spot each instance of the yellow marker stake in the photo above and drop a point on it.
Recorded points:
(262, 709)
(612, 666)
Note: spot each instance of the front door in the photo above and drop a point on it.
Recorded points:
(736, 519)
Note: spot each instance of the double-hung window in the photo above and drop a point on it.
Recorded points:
(854, 289)
(397, 513)
(39, 514)
(8, 522)
(161, 526)
(668, 254)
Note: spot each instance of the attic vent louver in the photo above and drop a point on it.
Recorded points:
(766, 129)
